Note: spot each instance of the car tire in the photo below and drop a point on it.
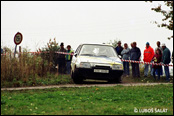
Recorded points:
(76, 78)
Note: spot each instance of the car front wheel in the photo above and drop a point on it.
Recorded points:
(76, 78)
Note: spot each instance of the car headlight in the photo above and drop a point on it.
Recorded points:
(85, 65)
(117, 67)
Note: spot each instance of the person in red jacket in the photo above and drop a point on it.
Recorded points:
(148, 55)
(157, 59)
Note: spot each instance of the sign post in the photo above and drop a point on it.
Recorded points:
(17, 40)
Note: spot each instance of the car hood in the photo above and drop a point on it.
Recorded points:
(103, 60)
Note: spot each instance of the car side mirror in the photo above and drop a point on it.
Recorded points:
(75, 54)
(119, 56)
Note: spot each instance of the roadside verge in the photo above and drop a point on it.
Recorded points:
(81, 85)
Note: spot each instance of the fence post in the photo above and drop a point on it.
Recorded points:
(19, 52)
(20, 63)
(19, 56)
(15, 51)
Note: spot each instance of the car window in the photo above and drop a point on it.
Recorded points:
(78, 49)
(98, 50)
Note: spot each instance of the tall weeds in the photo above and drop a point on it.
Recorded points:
(27, 67)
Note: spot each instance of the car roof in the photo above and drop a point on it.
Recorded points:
(97, 44)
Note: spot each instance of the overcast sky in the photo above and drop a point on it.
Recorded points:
(76, 22)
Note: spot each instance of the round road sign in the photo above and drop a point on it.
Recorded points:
(18, 38)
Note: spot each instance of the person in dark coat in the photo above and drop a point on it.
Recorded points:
(135, 55)
(166, 60)
(61, 59)
(157, 59)
(119, 48)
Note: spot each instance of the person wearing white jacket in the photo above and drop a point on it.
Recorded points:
(126, 55)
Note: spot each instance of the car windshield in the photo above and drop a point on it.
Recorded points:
(98, 50)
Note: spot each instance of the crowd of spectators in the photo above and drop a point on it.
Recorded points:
(161, 54)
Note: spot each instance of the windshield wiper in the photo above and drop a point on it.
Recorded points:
(86, 54)
(103, 56)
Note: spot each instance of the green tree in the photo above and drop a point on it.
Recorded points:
(113, 43)
(168, 15)
(48, 52)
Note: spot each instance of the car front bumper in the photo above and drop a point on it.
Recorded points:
(90, 74)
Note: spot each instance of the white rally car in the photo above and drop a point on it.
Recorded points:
(96, 61)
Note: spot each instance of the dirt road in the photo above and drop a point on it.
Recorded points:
(83, 85)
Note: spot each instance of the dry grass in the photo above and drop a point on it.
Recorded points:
(26, 67)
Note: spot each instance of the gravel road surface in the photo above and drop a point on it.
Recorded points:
(83, 85)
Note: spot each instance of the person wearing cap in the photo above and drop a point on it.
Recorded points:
(135, 55)
(61, 59)
(68, 59)
(166, 60)
(148, 55)
(119, 48)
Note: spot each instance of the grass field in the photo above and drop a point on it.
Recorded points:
(117, 100)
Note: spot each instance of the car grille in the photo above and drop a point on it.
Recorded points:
(102, 67)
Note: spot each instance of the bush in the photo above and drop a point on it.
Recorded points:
(48, 53)
(25, 69)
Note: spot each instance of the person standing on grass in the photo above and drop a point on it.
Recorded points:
(61, 59)
(148, 55)
(135, 55)
(119, 48)
(68, 59)
(160, 48)
(166, 60)
(157, 59)
(126, 55)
